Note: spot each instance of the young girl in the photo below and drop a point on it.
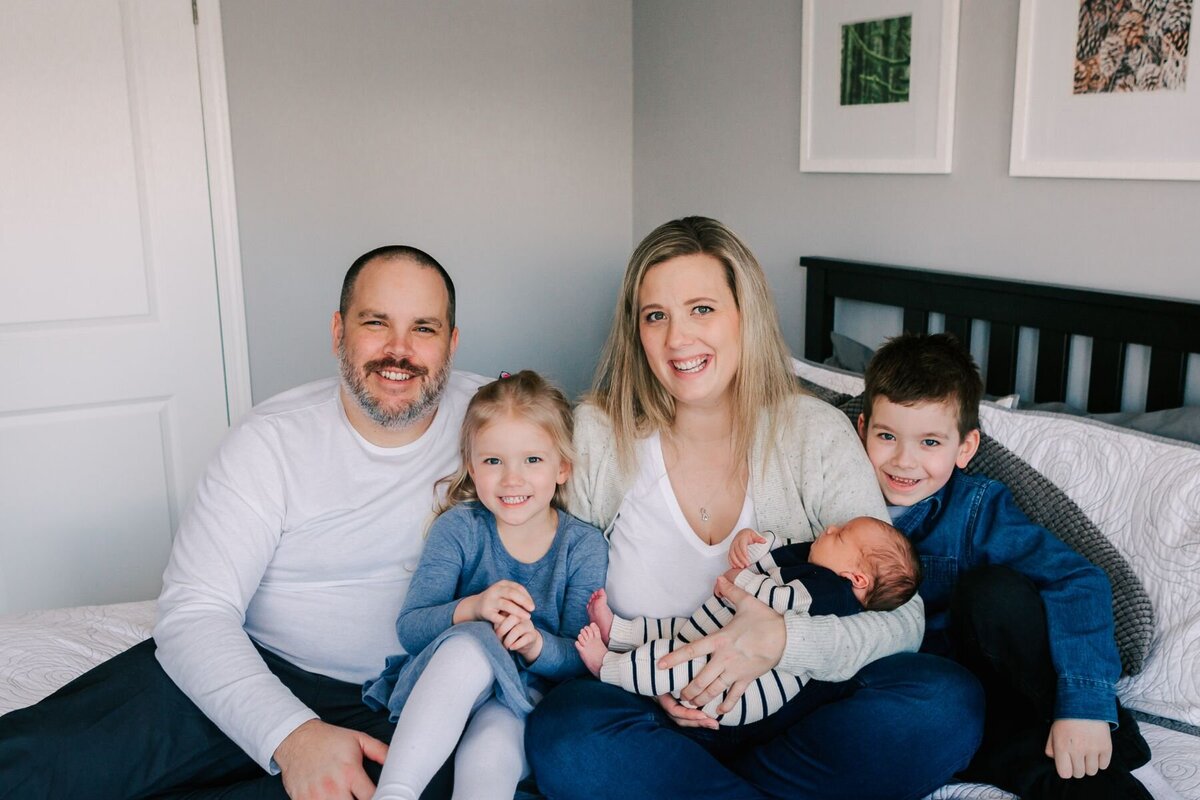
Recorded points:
(496, 602)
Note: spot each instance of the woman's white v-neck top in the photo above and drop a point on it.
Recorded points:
(657, 565)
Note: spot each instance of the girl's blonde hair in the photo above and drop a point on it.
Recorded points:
(625, 388)
(526, 395)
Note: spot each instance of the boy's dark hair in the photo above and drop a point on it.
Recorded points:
(920, 368)
(895, 570)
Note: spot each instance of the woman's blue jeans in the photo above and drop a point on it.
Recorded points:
(898, 729)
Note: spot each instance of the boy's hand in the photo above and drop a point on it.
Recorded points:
(520, 636)
(1079, 747)
(502, 598)
(739, 551)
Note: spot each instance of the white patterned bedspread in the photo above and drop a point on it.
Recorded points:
(1173, 772)
(42, 650)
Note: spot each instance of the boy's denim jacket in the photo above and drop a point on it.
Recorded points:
(974, 521)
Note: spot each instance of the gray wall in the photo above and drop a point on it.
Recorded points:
(495, 135)
(528, 144)
(717, 132)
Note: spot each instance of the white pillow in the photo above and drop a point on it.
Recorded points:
(851, 383)
(1143, 492)
(838, 380)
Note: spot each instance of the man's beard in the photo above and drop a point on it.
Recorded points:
(354, 382)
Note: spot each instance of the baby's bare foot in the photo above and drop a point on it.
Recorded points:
(599, 613)
(591, 648)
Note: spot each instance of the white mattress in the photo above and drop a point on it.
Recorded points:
(42, 650)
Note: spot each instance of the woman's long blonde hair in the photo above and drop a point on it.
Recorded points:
(526, 395)
(629, 393)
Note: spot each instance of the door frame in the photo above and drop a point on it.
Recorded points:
(214, 101)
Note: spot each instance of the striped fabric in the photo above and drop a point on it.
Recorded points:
(635, 645)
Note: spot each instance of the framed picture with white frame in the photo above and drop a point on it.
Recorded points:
(1101, 91)
(877, 85)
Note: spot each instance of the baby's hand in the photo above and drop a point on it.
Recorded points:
(520, 636)
(739, 551)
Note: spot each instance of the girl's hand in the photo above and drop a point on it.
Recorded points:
(494, 603)
(520, 636)
(739, 551)
(748, 646)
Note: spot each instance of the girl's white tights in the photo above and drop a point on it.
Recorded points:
(491, 756)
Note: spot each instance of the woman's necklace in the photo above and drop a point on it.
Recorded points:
(713, 481)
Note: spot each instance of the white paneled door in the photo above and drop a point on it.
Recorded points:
(112, 390)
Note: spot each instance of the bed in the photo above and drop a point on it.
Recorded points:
(43, 650)
(1142, 491)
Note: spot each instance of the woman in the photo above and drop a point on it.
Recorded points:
(694, 430)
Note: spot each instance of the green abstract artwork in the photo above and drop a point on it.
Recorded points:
(876, 56)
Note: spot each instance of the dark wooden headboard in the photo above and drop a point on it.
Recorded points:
(1170, 328)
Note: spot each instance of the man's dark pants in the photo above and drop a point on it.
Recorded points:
(124, 731)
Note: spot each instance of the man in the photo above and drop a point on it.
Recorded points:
(284, 581)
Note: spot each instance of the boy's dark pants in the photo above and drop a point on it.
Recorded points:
(997, 625)
(124, 730)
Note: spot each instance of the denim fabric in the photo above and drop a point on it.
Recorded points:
(899, 729)
(974, 521)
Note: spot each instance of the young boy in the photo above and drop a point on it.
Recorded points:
(1004, 597)
(863, 564)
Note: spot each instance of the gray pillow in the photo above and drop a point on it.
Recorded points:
(1047, 505)
(849, 354)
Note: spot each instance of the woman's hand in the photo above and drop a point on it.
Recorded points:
(685, 717)
(750, 645)
(520, 636)
(493, 603)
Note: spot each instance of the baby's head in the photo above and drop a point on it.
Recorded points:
(920, 414)
(879, 561)
(515, 445)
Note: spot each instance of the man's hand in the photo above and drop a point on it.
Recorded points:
(520, 636)
(750, 645)
(685, 717)
(1079, 747)
(494, 602)
(320, 761)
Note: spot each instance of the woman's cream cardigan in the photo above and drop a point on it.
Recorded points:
(811, 474)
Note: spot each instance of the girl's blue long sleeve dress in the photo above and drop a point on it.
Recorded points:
(464, 556)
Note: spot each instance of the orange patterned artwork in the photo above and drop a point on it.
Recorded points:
(1132, 45)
